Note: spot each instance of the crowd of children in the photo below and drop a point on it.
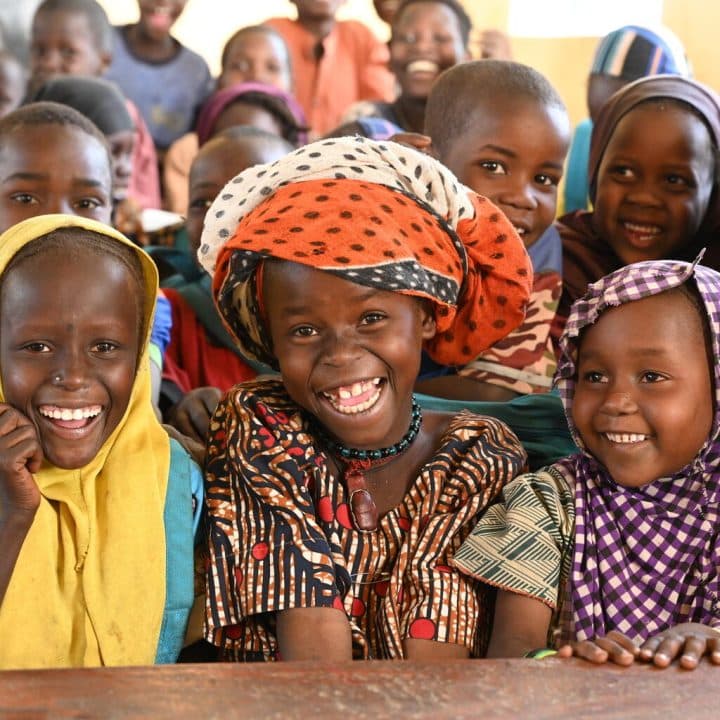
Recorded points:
(371, 269)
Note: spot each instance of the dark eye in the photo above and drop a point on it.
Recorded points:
(37, 347)
(622, 171)
(594, 376)
(678, 180)
(105, 347)
(546, 180)
(493, 167)
(372, 317)
(650, 376)
(23, 198)
(89, 203)
(200, 205)
(304, 331)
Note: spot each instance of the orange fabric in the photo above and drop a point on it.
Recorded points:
(478, 277)
(354, 66)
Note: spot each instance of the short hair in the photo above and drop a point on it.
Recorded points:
(76, 241)
(455, 5)
(50, 113)
(290, 128)
(250, 137)
(249, 30)
(102, 32)
(466, 89)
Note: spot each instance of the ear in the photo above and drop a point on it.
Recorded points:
(428, 326)
(105, 60)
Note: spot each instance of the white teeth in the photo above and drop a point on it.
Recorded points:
(351, 391)
(57, 413)
(644, 229)
(425, 66)
(520, 231)
(625, 438)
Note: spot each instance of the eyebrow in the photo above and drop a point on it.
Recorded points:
(512, 154)
(44, 176)
(591, 355)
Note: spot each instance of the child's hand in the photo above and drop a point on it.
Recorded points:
(20, 456)
(613, 647)
(687, 642)
(416, 141)
(191, 416)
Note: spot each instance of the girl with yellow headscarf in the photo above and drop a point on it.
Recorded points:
(98, 507)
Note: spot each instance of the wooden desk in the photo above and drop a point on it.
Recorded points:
(484, 689)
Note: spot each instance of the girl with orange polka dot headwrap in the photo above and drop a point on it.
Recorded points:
(377, 214)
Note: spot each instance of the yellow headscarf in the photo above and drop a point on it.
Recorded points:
(89, 584)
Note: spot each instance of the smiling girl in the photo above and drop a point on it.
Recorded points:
(653, 183)
(612, 554)
(335, 503)
(98, 506)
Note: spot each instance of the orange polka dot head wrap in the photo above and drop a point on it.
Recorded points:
(377, 214)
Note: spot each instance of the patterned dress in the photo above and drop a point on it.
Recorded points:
(281, 534)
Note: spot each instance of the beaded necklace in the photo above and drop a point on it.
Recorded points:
(358, 462)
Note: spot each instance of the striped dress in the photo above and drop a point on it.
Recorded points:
(281, 534)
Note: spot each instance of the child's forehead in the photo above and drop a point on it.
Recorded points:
(61, 20)
(56, 137)
(508, 116)
(426, 10)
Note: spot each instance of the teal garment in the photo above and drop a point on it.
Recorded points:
(183, 510)
(538, 421)
(576, 177)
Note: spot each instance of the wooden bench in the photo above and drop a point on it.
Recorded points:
(484, 689)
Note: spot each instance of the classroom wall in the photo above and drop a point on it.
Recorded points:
(206, 24)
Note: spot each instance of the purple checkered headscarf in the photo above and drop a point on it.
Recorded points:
(644, 559)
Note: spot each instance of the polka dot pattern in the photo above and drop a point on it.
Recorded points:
(377, 214)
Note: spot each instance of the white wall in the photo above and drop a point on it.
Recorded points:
(205, 25)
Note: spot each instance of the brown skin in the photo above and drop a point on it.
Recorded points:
(217, 162)
(318, 16)
(62, 43)
(512, 152)
(654, 182)
(150, 37)
(53, 169)
(634, 377)
(257, 57)
(63, 349)
(328, 333)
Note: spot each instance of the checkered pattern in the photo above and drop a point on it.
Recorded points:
(647, 558)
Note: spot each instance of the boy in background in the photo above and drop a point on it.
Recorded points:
(335, 63)
(504, 131)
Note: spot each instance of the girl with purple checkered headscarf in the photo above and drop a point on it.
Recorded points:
(622, 565)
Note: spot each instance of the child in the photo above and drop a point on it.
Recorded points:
(97, 508)
(252, 104)
(101, 102)
(13, 81)
(624, 55)
(201, 353)
(428, 37)
(54, 160)
(335, 63)
(74, 37)
(335, 504)
(166, 80)
(504, 131)
(653, 183)
(637, 578)
(256, 53)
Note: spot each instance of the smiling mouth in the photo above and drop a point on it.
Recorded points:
(70, 418)
(626, 438)
(426, 67)
(355, 398)
(641, 232)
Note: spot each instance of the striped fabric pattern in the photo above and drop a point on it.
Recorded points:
(281, 535)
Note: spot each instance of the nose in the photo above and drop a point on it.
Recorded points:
(518, 194)
(56, 204)
(47, 61)
(71, 372)
(340, 349)
(618, 402)
(643, 193)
